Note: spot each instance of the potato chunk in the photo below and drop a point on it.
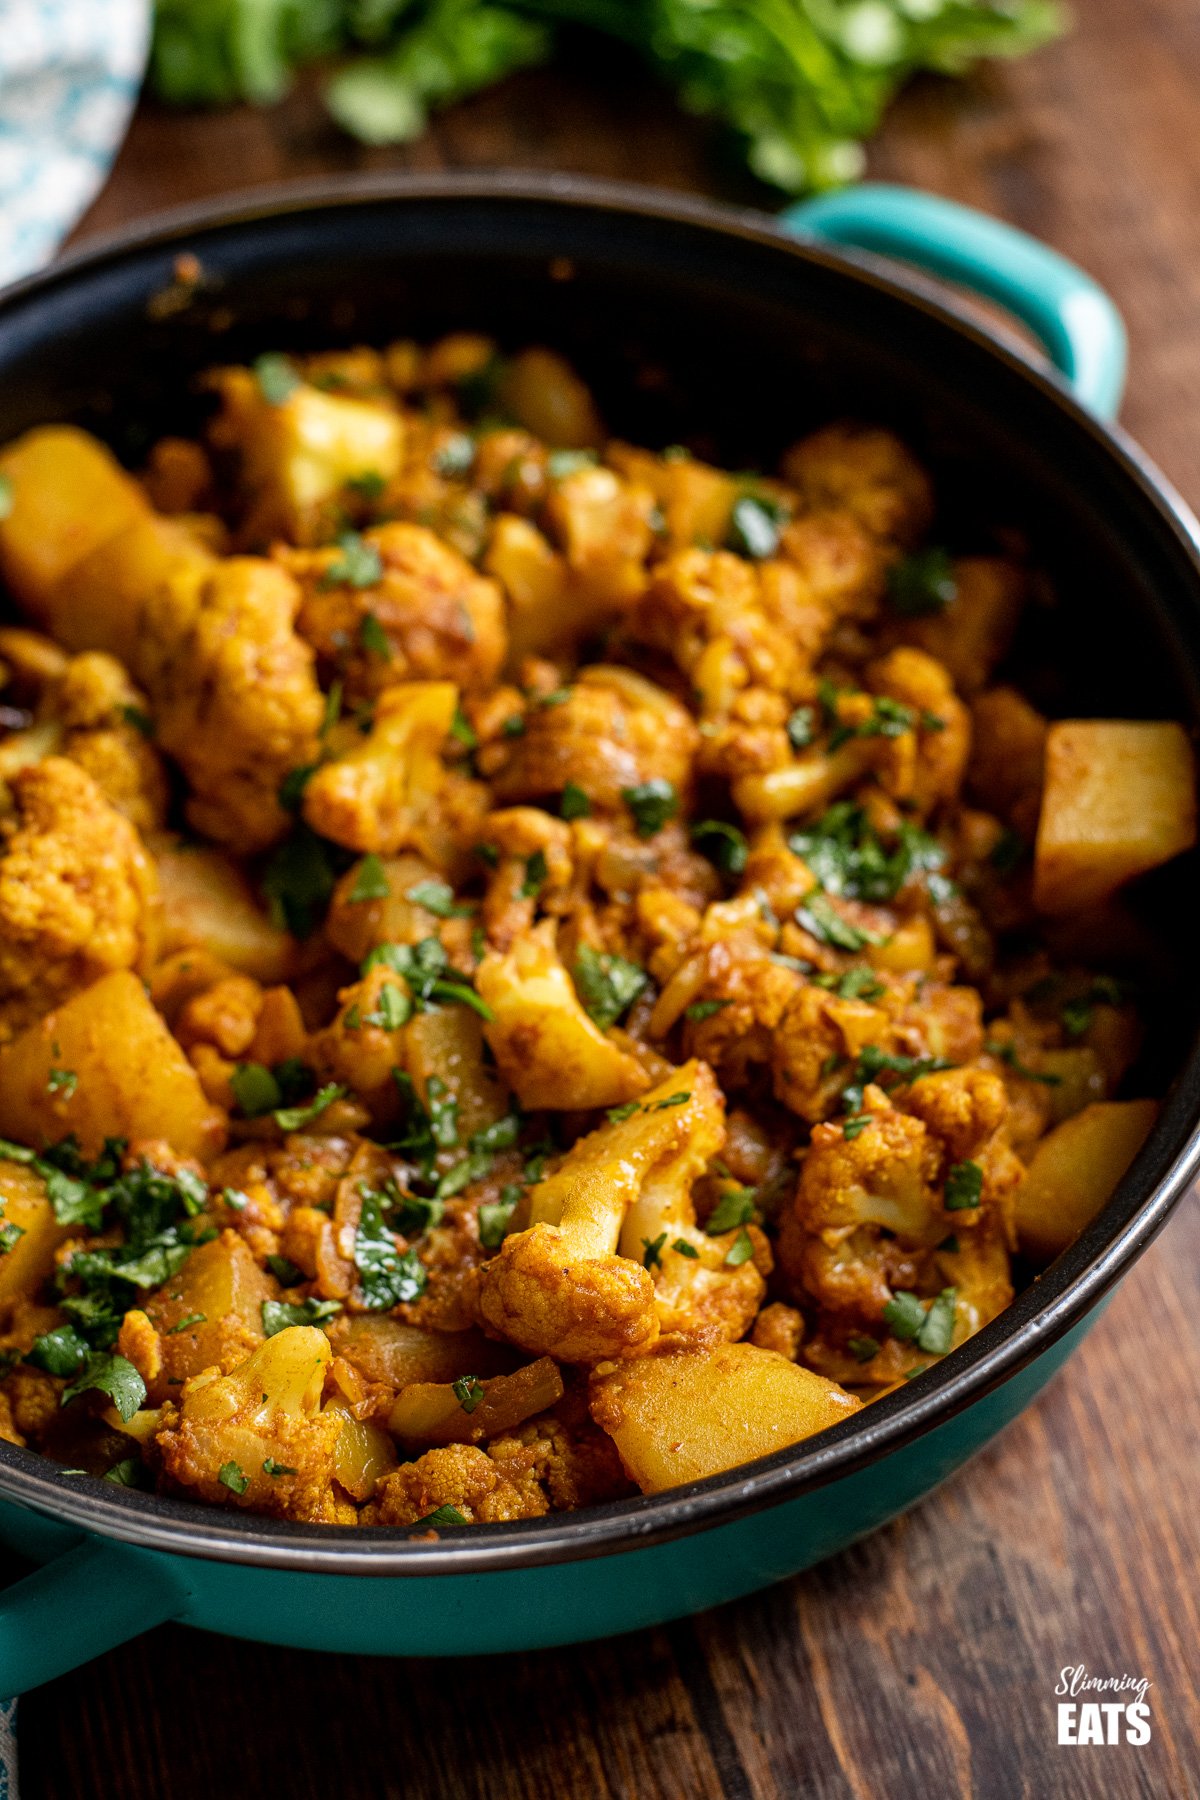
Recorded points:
(131, 1078)
(25, 1207)
(680, 1418)
(1120, 799)
(1075, 1169)
(207, 902)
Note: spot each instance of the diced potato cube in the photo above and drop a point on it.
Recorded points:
(1075, 1169)
(209, 1314)
(545, 395)
(679, 1418)
(1120, 798)
(208, 902)
(132, 1080)
(23, 1204)
(70, 495)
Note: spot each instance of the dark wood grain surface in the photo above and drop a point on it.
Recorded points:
(922, 1662)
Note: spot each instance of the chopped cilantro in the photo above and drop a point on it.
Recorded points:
(626, 1110)
(130, 1472)
(469, 1391)
(536, 872)
(299, 880)
(904, 1316)
(278, 1315)
(276, 377)
(607, 984)
(231, 1476)
(415, 1214)
(234, 1198)
(6, 496)
(873, 1064)
(574, 803)
(494, 1216)
(185, 1324)
(561, 463)
(754, 526)
(368, 486)
(462, 729)
(442, 1108)
(513, 726)
(488, 853)
(437, 897)
(112, 1375)
(140, 720)
(286, 1272)
(854, 984)
(276, 1469)
(255, 1090)
(440, 1517)
(735, 1207)
(652, 1251)
(371, 882)
(964, 1187)
(741, 1249)
(931, 1330)
(802, 727)
(862, 1349)
(295, 1118)
(373, 638)
(847, 856)
(358, 566)
(62, 1081)
(679, 1099)
(922, 584)
(652, 803)
(388, 1278)
(1007, 853)
(819, 916)
(855, 1125)
(58, 1352)
(454, 456)
(291, 788)
(723, 844)
(704, 1009)
(683, 1248)
(10, 1236)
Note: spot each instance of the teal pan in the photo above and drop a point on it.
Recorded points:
(753, 330)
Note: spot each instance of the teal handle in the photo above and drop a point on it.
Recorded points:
(1069, 313)
(94, 1597)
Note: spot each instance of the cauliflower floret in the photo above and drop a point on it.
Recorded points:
(77, 892)
(429, 616)
(517, 835)
(943, 728)
(886, 1175)
(574, 1463)
(559, 1288)
(604, 527)
(105, 723)
(741, 995)
(378, 796)
(461, 1476)
(300, 448)
(255, 1437)
(612, 731)
(235, 698)
(549, 1051)
(868, 471)
(780, 1328)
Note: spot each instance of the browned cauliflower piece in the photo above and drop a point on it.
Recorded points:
(869, 472)
(235, 698)
(378, 797)
(942, 726)
(604, 528)
(610, 732)
(780, 1328)
(575, 1464)
(463, 1477)
(77, 891)
(559, 1288)
(428, 617)
(741, 995)
(256, 1437)
(548, 1050)
(518, 835)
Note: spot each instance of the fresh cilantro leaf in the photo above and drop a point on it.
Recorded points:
(62, 1081)
(704, 1009)
(723, 844)
(439, 1518)
(754, 527)
(922, 584)
(862, 1349)
(626, 1110)
(255, 1089)
(536, 872)
(277, 1315)
(59, 1352)
(683, 1248)
(232, 1477)
(469, 1391)
(295, 1118)
(463, 731)
(855, 1126)
(904, 1316)
(573, 802)
(802, 727)
(299, 880)
(652, 803)
(371, 882)
(388, 1278)
(276, 1469)
(652, 1251)
(606, 984)
(140, 720)
(494, 1216)
(454, 456)
(185, 1324)
(679, 1099)
(735, 1207)
(358, 566)
(112, 1375)
(818, 915)
(741, 1249)
(130, 1472)
(437, 897)
(937, 1331)
(286, 1272)
(277, 377)
(442, 1106)
(964, 1187)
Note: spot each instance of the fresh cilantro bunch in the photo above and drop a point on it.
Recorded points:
(802, 82)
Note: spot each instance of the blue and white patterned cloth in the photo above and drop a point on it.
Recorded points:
(69, 77)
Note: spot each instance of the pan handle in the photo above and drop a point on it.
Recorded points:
(1069, 313)
(96, 1596)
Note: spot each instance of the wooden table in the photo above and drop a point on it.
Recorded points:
(923, 1661)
